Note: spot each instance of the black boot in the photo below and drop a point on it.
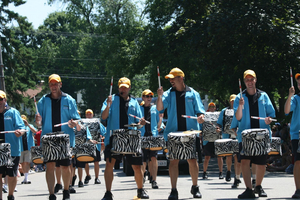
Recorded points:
(195, 191)
(141, 193)
(173, 195)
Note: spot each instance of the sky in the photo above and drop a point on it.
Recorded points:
(36, 11)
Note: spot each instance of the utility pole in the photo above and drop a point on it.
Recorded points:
(2, 82)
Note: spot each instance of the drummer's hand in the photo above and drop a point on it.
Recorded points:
(291, 91)
(142, 121)
(18, 133)
(268, 120)
(200, 119)
(25, 122)
(38, 118)
(160, 91)
(241, 102)
(109, 101)
(93, 141)
(72, 123)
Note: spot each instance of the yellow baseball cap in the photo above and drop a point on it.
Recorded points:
(146, 92)
(89, 111)
(142, 103)
(211, 104)
(232, 97)
(54, 77)
(297, 76)
(2, 94)
(24, 117)
(124, 82)
(175, 72)
(249, 72)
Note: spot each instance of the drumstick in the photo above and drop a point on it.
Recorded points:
(240, 85)
(138, 118)
(110, 91)
(36, 108)
(65, 123)
(190, 117)
(22, 130)
(158, 74)
(291, 73)
(262, 118)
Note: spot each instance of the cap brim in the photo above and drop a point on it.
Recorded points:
(124, 85)
(169, 76)
(54, 79)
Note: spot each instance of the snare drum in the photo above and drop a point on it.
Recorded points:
(126, 141)
(85, 152)
(153, 143)
(56, 146)
(209, 127)
(223, 147)
(37, 155)
(275, 146)
(80, 136)
(235, 146)
(5, 155)
(182, 145)
(255, 142)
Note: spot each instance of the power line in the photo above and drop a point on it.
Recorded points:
(87, 59)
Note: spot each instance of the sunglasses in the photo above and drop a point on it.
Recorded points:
(148, 96)
(1, 99)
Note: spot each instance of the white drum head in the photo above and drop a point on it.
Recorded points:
(222, 140)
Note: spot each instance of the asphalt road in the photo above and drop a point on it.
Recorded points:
(277, 185)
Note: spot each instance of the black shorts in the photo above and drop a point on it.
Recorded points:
(259, 160)
(295, 144)
(80, 164)
(131, 158)
(209, 149)
(148, 154)
(58, 163)
(98, 156)
(11, 171)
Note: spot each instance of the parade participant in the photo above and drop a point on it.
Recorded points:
(26, 144)
(209, 149)
(151, 114)
(228, 133)
(292, 104)
(101, 130)
(253, 102)
(116, 110)
(10, 120)
(180, 100)
(55, 108)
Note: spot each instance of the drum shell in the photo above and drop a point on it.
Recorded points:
(126, 141)
(153, 143)
(37, 155)
(255, 142)
(223, 147)
(275, 147)
(182, 147)
(85, 152)
(209, 127)
(5, 155)
(56, 147)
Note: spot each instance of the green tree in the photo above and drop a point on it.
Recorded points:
(18, 56)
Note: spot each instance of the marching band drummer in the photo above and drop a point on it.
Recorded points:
(151, 114)
(101, 131)
(116, 110)
(292, 104)
(221, 122)
(180, 100)
(55, 108)
(253, 102)
(10, 120)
